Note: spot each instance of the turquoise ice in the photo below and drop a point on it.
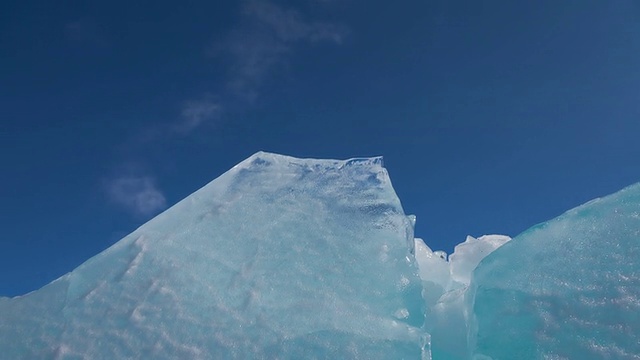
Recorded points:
(285, 258)
(277, 258)
(565, 289)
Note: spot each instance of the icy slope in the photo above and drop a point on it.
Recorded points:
(277, 258)
(565, 289)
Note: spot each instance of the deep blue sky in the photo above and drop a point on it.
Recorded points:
(491, 116)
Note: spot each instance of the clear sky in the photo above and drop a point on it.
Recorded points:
(492, 116)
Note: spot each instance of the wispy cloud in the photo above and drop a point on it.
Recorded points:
(197, 112)
(289, 25)
(265, 38)
(192, 115)
(137, 194)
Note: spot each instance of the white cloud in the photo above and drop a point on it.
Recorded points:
(289, 26)
(265, 39)
(197, 112)
(138, 194)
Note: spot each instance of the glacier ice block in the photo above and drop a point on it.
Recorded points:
(566, 289)
(278, 258)
(284, 258)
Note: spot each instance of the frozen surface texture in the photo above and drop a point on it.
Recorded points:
(467, 256)
(284, 258)
(445, 286)
(566, 289)
(279, 258)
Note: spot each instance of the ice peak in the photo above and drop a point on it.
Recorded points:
(240, 269)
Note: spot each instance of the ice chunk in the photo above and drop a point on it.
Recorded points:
(434, 272)
(445, 287)
(467, 256)
(565, 289)
(288, 258)
(277, 258)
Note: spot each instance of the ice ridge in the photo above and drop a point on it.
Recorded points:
(286, 258)
(277, 258)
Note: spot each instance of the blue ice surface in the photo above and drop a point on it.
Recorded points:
(566, 289)
(285, 258)
(278, 258)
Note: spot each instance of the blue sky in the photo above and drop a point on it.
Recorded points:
(491, 116)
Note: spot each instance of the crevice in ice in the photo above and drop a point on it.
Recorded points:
(445, 281)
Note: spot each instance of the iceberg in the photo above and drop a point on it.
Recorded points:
(286, 258)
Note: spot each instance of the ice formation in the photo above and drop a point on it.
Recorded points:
(445, 285)
(276, 258)
(565, 289)
(285, 258)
